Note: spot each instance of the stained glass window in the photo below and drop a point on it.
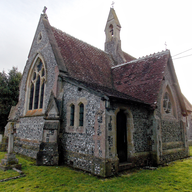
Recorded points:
(31, 97)
(37, 85)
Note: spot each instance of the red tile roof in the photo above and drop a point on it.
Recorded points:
(187, 104)
(138, 80)
(83, 61)
(141, 78)
(110, 92)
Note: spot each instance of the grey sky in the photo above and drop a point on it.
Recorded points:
(146, 25)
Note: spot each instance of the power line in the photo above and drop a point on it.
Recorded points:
(182, 57)
(182, 52)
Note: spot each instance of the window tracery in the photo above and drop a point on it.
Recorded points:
(37, 86)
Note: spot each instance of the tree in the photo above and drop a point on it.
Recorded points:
(9, 93)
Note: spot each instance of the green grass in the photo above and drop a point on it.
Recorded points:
(175, 177)
(190, 150)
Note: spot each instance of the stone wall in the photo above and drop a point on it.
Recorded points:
(26, 147)
(141, 129)
(29, 131)
(28, 135)
(171, 131)
(139, 133)
(31, 128)
(189, 128)
(44, 49)
(83, 149)
(171, 134)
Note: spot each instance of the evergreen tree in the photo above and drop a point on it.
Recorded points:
(9, 93)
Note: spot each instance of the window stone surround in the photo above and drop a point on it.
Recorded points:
(76, 128)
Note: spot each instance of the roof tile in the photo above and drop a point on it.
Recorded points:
(83, 61)
(141, 78)
(137, 80)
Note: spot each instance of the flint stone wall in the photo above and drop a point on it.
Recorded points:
(189, 128)
(26, 148)
(79, 148)
(171, 131)
(31, 128)
(141, 124)
(142, 132)
(139, 134)
(28, 136)
(44, 49)
(171, 127)
(172, 143)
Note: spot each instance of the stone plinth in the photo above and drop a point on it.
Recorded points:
(9, 162)
(3, 144)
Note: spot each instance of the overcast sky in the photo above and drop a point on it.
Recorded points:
(146, 26)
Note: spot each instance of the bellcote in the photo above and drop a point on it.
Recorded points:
(113, 27)
(113, 42)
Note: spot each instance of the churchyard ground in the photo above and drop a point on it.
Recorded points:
(177, 176)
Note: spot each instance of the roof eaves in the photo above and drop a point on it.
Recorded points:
(177, 87)
(103, 91)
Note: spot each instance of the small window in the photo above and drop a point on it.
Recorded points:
(39, 38)
(167, 103)
(72, 115)
(81, 114)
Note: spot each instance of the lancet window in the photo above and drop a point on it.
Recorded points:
(166, 103)
(81, 114)
(72, 116)
(111, 30)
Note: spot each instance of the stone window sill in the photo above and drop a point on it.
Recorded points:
(35, 112)
(72, 129)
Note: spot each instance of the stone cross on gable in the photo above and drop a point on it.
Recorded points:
(112, 5)
(165, 46)
(44, 10)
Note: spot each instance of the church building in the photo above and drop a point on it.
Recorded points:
(98, 111)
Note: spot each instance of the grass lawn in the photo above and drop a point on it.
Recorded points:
(175, 177)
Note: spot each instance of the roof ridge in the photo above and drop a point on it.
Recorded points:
(157, 53)
(141, 58)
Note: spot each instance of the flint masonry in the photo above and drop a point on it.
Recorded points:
(99, 111)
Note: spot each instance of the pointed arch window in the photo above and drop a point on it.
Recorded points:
(167, 103)
(111, 30)
(72, 115)
(37, 86)
(81, 114)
